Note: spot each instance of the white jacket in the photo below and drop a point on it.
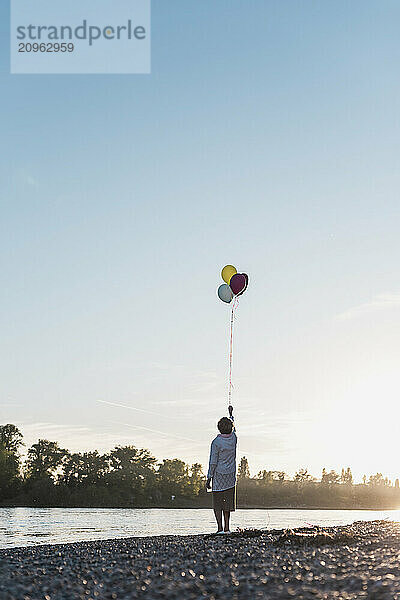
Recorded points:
(223, 455)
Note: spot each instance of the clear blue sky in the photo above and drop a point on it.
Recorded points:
(267, 136)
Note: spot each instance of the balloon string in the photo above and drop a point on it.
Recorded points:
(230, 386)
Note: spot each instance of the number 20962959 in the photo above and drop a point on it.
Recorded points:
(46, 47)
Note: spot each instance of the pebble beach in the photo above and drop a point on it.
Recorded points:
(357, 561)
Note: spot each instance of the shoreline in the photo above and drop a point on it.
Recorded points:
(352, 562)
(255, 507)
(235, 534)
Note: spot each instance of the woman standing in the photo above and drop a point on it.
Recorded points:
(222, 471)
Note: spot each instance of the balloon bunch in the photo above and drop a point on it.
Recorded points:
(235, 284)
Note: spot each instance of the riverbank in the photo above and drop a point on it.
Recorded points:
(349, 562)
(207, 506)
(251, 494)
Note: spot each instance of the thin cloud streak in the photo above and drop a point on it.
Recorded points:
(161, 403)
(379, 303)
(177, 437)
(150, 412)
(45, 427)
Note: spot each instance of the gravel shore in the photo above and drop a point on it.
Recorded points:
(357, 561)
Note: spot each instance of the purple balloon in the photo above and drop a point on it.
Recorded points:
(247, 283)
(238, 283)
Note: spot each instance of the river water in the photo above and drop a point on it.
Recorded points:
(31, 526)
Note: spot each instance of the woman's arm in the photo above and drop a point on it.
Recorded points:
(212, 463)
(230, 410)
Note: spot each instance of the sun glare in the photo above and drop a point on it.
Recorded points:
(365, 425)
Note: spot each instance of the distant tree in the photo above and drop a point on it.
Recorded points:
(377, 480)
(132, 470)
(10, 442)
(173, 478)
(243, 471)
(72, 473)
(265, 476)
(303, 476)
(364, 480)
(269, 476)
(334, 477)
(83, 469)
(131, 462)
(330, 478)
(43, 459)
(10, 438)
(9, 472)
(347, 476)
(196, 479)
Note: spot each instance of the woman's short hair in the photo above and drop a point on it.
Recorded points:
(225, 425)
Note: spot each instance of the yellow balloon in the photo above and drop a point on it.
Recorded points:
(227, 273)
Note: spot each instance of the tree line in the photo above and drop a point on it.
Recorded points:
(131, 477)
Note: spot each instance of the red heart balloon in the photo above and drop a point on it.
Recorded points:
(238, 283)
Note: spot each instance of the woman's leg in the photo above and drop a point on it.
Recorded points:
(218, 517)
(227, 515)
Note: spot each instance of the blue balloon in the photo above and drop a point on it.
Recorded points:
(225, 293)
